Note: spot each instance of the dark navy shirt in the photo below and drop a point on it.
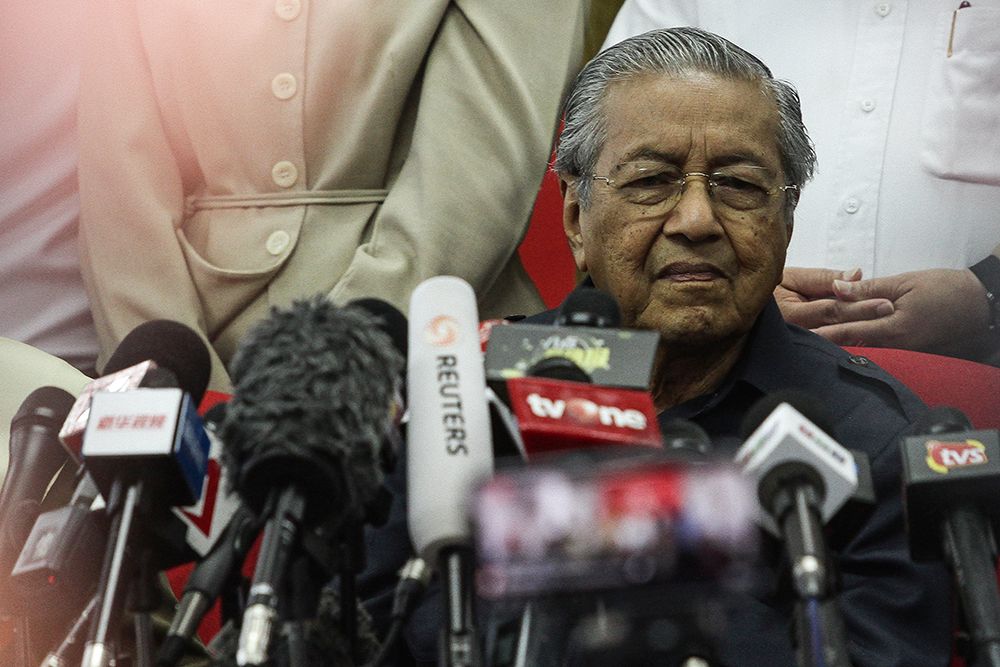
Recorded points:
(897, 613)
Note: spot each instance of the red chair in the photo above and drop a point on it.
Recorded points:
(971, 387)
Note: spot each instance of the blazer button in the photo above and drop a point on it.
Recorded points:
(284, 174)
(288, 10)
(277, 242)
(284, 86)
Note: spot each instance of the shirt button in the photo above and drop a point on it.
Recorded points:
(284, 86)
(284, 174)
(288, 10)
(852, 205)
(868, 106)
(883, 9)
(277, 242)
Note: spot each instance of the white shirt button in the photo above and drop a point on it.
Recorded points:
(868, 105)
(288, 10)
(284, 174)
(277, 242)
(852, 205)
(284, 86)
(883, 9)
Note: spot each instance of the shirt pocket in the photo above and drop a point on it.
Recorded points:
(961, 121)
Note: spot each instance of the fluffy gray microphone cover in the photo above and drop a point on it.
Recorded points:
(312, 389)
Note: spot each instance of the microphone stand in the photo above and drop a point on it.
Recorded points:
(970, 550)
(100, 650)
(819, 627)
(459, 642)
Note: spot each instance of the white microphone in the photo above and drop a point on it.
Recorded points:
(803, 477)
(788, 438)
(449, 446)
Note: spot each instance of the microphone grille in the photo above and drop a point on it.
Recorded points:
(50, 404)
(172, 345)
(591, 307)
(810, 407)
(942, 419)
(312, 387)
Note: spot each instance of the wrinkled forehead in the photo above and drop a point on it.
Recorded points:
(697, 119)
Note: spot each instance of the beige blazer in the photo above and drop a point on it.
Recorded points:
(238, 155)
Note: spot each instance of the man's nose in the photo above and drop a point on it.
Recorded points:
(694, 215)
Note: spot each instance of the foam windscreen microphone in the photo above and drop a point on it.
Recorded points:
(314, 386)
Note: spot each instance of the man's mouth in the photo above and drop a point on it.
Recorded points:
(690, 272)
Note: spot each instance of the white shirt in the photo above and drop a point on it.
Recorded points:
(907, 138)
(42, 298)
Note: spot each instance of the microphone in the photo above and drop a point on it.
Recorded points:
(951, 482)
(314, 387)
(35, 457)
(206, 582)
(155, 344)
(803, 476)
(449, 446)
(585, 333)
(58, 564)
(147, 451)
(556, 415)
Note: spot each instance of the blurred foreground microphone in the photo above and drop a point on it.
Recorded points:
(314, 387)
(951, 477)
(803, 477)
(449, 448)
(35, 456)
(585, 334)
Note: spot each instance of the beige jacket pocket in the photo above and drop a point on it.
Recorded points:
(233, 253)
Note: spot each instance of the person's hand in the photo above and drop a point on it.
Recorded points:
(807, 298)
(937, 310)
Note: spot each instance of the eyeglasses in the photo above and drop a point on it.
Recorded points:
(654, 184)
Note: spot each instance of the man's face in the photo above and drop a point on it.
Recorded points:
(702, 270)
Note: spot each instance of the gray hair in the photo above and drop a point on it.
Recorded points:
(674, 52)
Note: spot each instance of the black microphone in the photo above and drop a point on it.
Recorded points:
(951, 477)
(314, 387)
(35, 456)
(586, 332)
(206, 582)
(171, 345)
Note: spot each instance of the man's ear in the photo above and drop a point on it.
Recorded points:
(571, 222)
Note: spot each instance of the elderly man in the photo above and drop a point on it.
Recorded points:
(681, 162)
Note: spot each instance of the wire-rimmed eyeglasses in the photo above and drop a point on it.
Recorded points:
(660, 185)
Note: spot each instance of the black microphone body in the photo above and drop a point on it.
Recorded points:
(952, 480)
(206, 582)
(35, 456)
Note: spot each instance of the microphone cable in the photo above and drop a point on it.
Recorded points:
(413, 579)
